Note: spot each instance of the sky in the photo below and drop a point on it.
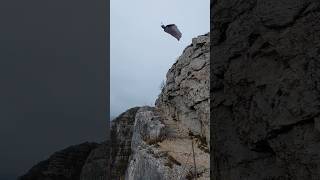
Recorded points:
(141, 53)
(53, 79)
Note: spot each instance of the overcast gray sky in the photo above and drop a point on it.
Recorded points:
(141, 52)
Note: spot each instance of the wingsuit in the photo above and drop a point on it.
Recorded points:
(173, 30)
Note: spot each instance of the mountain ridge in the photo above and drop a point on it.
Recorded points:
(158, 137)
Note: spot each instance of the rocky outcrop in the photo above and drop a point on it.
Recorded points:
(121, 137)
(155, 156)
(91, 161)
(147, 160)
(154, 143)
(163, 135)
(62, 165)
(265, 93)
(184, 100)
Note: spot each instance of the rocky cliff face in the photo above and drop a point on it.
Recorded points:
(121, 137)
(265, 89)
(150, 142)
(163, 135)
(91, 161)
(184, 101)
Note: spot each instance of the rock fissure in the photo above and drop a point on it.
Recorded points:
(285, 129)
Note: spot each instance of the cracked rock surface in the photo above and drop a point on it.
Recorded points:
(184, 100)
(265, 89)
(163, 135)
(166, 158)
(121, 137)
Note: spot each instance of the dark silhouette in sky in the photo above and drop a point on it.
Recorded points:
(173, 30)
(53, 79)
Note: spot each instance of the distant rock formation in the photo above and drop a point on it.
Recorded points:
(97, 166)
(265, 89)
(62, 165)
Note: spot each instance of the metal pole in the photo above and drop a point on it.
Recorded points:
(194, 162)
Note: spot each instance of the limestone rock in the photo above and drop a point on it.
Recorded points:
(147, 128)
(184, 100)
(121, 137)
(163, 136)
(147, 160)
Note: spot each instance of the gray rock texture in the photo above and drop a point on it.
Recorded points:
(147, 129)
(147, 160)
(121, 137)
(163, 135)
(265, 93)
(184, 100)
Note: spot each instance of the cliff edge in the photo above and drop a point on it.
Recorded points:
(162, 136)
(155, 143)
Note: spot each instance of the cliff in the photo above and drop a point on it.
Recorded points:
(265, 89)
(149, 142)
(162, 136)
(121, 138)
